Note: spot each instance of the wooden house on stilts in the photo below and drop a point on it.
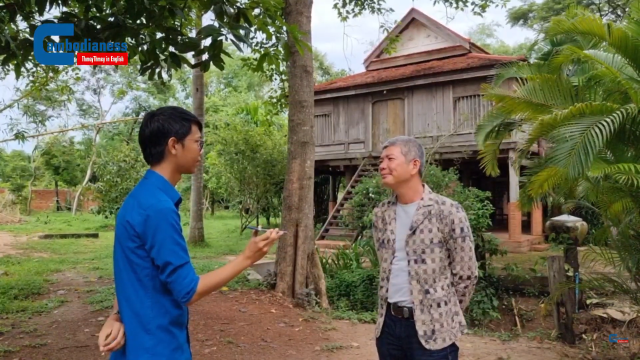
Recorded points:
(428, 88)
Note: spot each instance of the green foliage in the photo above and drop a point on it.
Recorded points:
(15, 170)
(535, 15)
(366, 196)
(583, 101)
(243, 23)
(248, 162)
(484, 304)
(362, 254)
(102, 298)
(353, 290)
(61, 160)
(485, 35)
(581, 96)
(323, 70)
(118, 170)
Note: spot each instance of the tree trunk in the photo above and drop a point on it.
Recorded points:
(94, 151)
(212, 202)
(33, 177)
(295, 261)
(58, 206)
(196, 223)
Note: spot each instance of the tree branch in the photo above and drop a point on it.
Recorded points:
(70, 129)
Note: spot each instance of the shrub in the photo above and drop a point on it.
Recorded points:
(361, 254)
(353, 290)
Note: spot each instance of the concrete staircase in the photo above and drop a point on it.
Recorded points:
(526, 244)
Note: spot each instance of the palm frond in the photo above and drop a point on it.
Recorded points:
(625, 174)
(546, 126)
(545, 181)
(577, 142)
(606, 70)
(592, 26)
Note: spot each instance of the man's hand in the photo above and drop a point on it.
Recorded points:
(259, 246)
(111, 337)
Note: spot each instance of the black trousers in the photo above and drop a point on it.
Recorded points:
(399, 340)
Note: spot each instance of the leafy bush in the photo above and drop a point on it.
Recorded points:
(353, 290)
(118, 169)
(362, 254)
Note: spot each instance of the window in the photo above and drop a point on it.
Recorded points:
(324, 129)
(468, 111)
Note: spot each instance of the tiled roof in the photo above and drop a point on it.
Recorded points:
(467, 61)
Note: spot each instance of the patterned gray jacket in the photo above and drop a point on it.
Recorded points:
(442, 265)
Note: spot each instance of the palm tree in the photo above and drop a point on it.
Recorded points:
(583, 99)
(582, 96)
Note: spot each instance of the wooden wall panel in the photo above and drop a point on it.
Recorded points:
(431, 110)
(357, 117)
(388, 120)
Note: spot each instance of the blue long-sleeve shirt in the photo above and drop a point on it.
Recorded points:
(154, 277)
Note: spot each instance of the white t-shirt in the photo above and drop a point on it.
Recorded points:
(399, 283)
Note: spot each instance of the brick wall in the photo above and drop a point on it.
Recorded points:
(45, 199)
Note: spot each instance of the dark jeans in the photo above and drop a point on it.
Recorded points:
(398, 340)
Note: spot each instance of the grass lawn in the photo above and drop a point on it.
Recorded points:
(28, 273)
(526, 262)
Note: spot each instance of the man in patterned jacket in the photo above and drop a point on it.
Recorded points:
(428, 268)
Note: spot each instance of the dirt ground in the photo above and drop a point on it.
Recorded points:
(7, 242)
(251, 324)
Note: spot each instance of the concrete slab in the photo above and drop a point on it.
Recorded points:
(263, 266)
(91, 235)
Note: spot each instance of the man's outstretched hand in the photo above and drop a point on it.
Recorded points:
(111, 337)
(259, 245)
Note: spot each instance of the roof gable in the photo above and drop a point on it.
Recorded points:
(420, 38)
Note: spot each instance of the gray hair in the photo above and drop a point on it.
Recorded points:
(410, 147)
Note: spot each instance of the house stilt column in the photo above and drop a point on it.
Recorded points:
(516, 243)
(537, 222)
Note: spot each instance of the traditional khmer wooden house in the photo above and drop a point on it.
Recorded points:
(428, 87)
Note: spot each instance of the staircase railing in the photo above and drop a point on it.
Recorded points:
(339, 202)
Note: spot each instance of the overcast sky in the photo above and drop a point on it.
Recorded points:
(346, 45)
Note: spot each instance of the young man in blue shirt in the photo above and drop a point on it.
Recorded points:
(154, 278)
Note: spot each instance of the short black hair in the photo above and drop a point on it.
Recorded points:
(160, 125)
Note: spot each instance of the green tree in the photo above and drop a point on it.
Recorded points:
(118, 169)
(164, 41)
(485, 35)
(15, 170)
(60, 159)
(323, 70)
(535, 15)
(249, 160)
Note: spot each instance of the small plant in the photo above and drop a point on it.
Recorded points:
(270, 279)
(327, 328)
(362, 254)
(333, 347)
(354, 290)
(102, 299)
(7, 350)
(560, 240)
(307, 299)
